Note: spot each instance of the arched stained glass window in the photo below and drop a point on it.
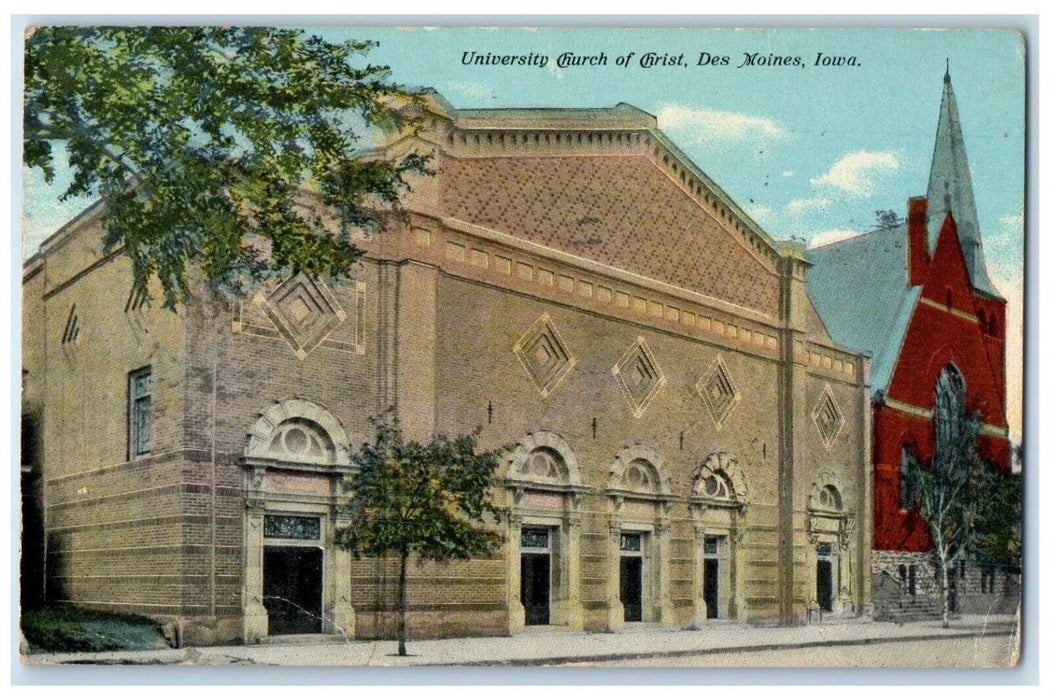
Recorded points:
(907, 477)
(951, 401)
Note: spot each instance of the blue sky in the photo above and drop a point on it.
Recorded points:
(809, 152)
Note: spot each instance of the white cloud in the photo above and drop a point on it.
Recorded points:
(855, 172)
(705, 124)
(788, 173)
(832, 236)
(760, 211)
(1004, 247)
(797, 206)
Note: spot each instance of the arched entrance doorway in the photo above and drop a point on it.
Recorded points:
(718, 503)
(543, 537)
(296, 580)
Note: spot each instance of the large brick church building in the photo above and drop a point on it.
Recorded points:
(916, 297)
(689, 442)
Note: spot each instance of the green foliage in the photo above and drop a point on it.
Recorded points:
(70, 629)
(999, 519)
(970, 507)
(948, 491)
(430, 499)
(201, 139)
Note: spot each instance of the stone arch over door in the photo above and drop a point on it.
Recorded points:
(544, 491)
(296, 461)
(718, 503)
(830, 523)
(264, 443)
(639, 491)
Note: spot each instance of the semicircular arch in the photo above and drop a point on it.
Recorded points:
(309, 418)
(829, 483)
(544, 442)
(722, 464)
(639, 468)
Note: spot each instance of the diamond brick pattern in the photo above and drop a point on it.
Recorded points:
(718, 392)
(828, 417)
(304, 311)
(639, 376)
(544, 356)
(622, 211)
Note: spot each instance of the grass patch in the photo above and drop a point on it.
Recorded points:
(71, 629)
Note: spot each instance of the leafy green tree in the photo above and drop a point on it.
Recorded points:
(201, 140)
(999, 520)
(968, 505)
(430, 500)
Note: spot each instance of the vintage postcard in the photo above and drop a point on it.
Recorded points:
(386, 346)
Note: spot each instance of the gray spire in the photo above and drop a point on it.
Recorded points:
(950, 189)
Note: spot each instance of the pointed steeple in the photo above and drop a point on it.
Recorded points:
(950, 189)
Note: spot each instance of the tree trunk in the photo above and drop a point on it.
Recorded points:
(402, 596)
(944, 594)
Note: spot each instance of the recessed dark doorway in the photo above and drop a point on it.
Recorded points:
(824, 587)
(536, 587)
(292, 589)
(711, 587)
(631, 588)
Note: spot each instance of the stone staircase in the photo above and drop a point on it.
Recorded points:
(911, 610)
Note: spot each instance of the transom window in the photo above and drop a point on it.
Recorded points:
(630, 542)
(534, 538)
(715, 486)
(829, 498)
(544, 462)
(292, 527)
(637, 475)
(301, 439)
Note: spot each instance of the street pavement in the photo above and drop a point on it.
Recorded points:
(551, 646)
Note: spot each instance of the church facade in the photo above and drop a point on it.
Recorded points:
(916, 297)
(689, 443)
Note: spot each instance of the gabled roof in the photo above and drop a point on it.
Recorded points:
(860, 288)
(621, 116)
(950, 189)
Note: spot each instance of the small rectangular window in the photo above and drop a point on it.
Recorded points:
(140, 412)
(711, 546)
(292, 527)
(630, 542)
(535, 539)
(911, 579)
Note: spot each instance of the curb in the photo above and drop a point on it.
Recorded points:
(675, 653)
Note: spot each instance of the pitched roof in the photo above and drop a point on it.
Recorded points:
(951, 189)
(860, 288)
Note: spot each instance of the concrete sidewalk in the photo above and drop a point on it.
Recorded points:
(551, 646)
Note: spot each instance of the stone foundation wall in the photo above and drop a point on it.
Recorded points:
(979, 589)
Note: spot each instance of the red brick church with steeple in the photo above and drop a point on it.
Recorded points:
(916, 296)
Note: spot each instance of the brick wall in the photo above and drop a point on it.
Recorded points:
(617, 209)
